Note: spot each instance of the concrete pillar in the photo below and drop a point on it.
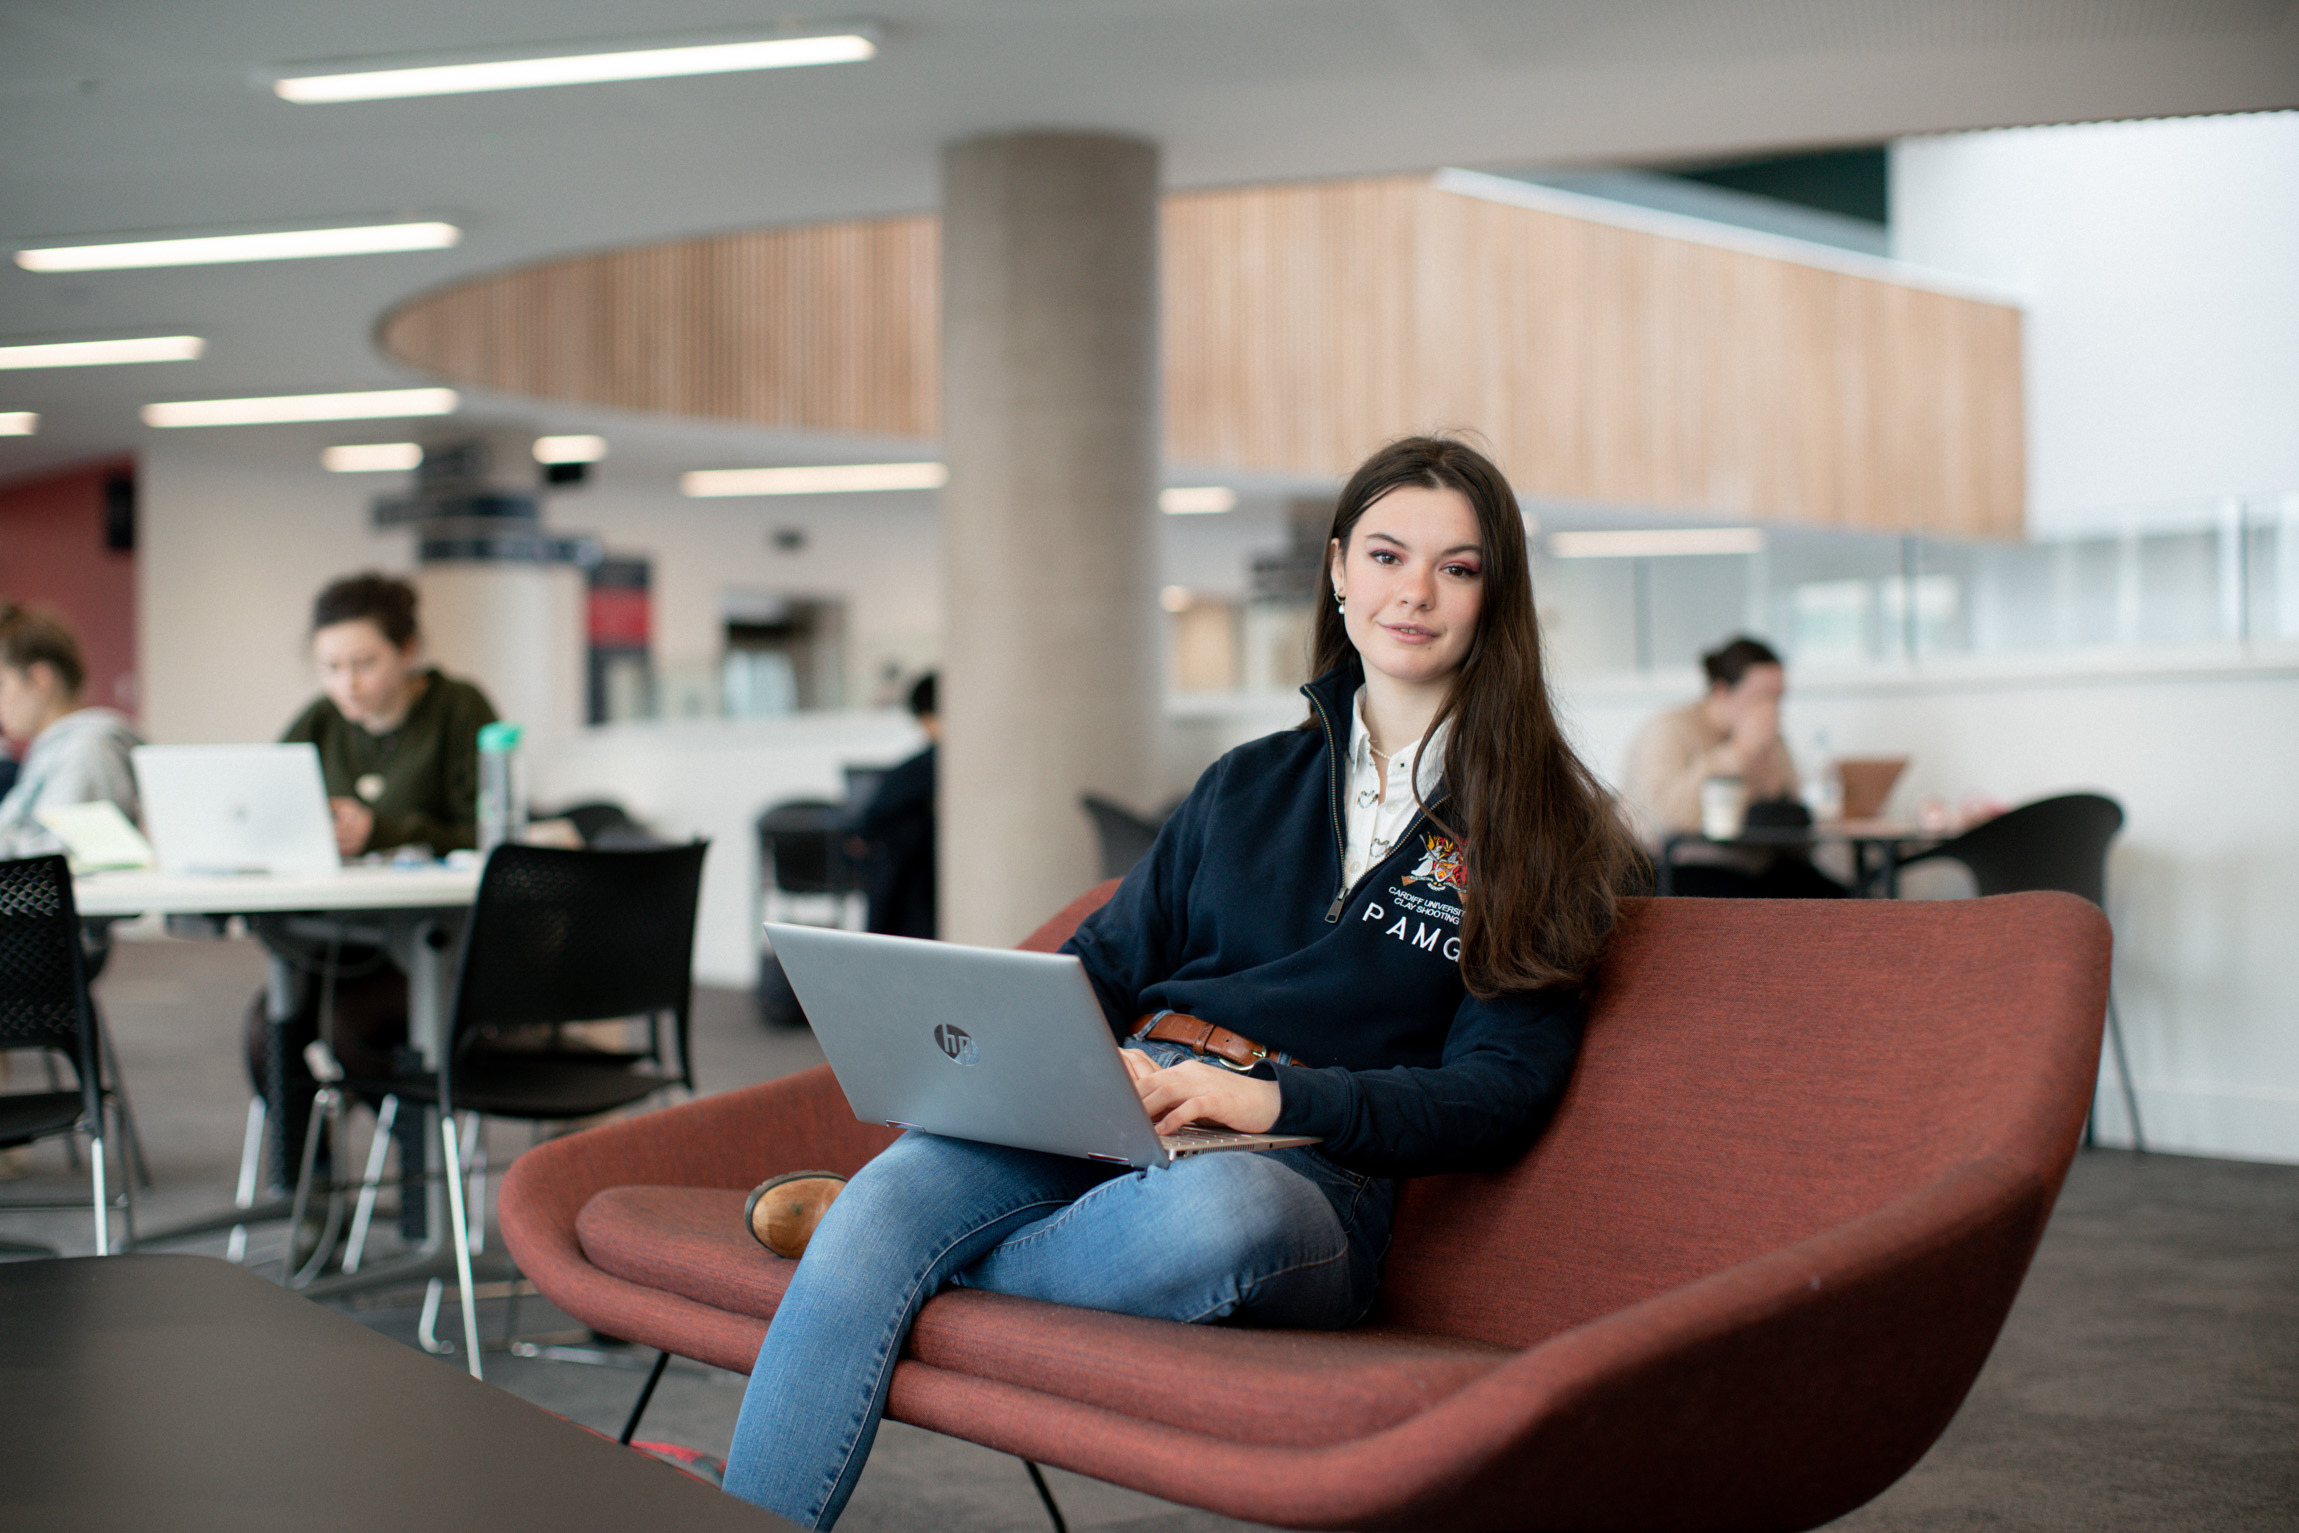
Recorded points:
(1050, 403)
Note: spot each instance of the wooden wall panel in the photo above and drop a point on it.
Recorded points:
(1306, 324)
(833, 327)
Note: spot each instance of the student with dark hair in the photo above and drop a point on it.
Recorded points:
(896, 832)
(73, 753)
(398, 741)
(398, 746)
(1400, 900)
(1732, 731)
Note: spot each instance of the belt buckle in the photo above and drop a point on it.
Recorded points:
(1211, 1058)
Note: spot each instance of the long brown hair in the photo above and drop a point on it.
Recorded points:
(1548, 857)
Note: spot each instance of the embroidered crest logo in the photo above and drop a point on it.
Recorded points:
(1441, 863)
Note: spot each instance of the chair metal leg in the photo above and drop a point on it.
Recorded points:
(355, 1246)
(2123, 1070)
(103, 1201)
(461, 1234)
(127, 1181)
(250, 1162)
(427, 1324)
(131, 1143)
(1046, 1494)
(474, 1168)
(646, 1395)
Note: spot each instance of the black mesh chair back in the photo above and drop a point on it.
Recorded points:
(576, 936)
(2054, 843)
(802, 843)
(44, 1005)
(1125, 837)
(43, 986)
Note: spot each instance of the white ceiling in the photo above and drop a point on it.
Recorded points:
(132, 115)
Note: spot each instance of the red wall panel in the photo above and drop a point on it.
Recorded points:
(52, 552)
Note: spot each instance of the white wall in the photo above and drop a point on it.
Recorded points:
(2159, 263)
(2203, 884)
(235, 538)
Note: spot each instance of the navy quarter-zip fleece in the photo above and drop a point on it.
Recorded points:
(1237, 915)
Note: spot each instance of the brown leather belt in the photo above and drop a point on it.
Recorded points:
(1217, 1045)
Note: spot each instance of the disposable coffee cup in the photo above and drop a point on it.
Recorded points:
(1723, 808)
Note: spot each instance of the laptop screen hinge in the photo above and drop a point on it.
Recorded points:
(1115, 1160)
(898, 1123)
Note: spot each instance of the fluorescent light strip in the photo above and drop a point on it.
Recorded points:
(824, 479)
(156, 348)
(1197, 500)
(575, 69)
(570, 449)
(373, 404)
(216, 249)
(18, 422)
(372, 457)
(1660, 543)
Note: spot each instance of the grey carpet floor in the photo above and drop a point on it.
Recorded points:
(2148, 1377)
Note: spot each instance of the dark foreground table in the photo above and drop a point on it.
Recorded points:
(182, 1392)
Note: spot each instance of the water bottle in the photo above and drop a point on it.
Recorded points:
(502, 786)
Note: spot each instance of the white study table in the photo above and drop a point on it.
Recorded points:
(413, 912)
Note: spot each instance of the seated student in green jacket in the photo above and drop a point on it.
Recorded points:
(399, 748)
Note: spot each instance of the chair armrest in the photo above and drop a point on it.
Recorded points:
(1791, 1388)
(736, 1139)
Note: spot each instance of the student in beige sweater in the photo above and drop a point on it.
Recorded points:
(1733, 731)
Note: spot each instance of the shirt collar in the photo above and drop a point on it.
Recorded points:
(1432, 756)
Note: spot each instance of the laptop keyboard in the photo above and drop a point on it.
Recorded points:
(1189, 1140)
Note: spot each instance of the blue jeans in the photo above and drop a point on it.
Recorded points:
(1277, 1238)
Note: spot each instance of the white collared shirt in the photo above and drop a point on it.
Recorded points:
(1371, 821)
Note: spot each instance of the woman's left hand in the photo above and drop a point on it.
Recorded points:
(1195, 1092)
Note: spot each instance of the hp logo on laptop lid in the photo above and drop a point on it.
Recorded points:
(957, 1044)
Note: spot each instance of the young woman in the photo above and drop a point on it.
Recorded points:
(399, 750)
(1733, 731)
(1397, 901)
(73, 753)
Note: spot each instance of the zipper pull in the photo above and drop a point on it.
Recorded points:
(1333, 912)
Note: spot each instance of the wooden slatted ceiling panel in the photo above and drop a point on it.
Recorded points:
(1306, 324)
(832, 327)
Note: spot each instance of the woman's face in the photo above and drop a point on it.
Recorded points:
(26, 696)
(364, 674)
(1412, 579)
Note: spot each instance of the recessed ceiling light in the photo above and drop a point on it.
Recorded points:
(823, 479)
(371, 404)
(18, 422)
(1197, 500)
(655, 62)
(570, 449)
(372, 457)
(216, 249)
(151, 348)
(1660, 543)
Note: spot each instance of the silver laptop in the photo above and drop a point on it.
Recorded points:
(980, 1043)
(236, 808)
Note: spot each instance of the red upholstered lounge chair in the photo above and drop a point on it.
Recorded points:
(1744, 1281)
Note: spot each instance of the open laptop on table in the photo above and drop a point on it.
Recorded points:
(237, 809)
(980, 1043)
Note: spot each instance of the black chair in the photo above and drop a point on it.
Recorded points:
(607, 826)
(44, 1004)
(1125, 836)
(802, 848)
(556, 937)
(2054, 843)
